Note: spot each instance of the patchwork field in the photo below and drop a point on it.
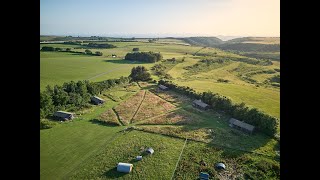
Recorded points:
(87, 149)
(126, 110)
(90, 146)
(152, 106)
(58, 67)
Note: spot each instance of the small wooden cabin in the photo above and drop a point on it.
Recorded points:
(96, 100)
(62, 115)
(241, 125)
(200, 105)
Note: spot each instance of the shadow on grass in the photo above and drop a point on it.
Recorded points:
(122, 61)
(97, 121)
(114, 174)
(219, 135)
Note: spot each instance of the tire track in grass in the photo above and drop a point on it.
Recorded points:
(91, 154)
(145, 92)
(179, 158)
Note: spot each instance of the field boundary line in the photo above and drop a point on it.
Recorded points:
(116, 113)
(145, 92)
(184, 145)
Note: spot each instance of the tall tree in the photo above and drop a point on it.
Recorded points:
(140, 73)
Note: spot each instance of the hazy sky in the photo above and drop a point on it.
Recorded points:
(160, 17)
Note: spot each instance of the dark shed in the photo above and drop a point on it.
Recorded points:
(96, 100)
(241, 125)
(162, 87)
(199, 104)
(63, 115)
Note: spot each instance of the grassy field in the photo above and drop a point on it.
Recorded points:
(86, 149)
(59, 67)
(125, 148)
(68, 145)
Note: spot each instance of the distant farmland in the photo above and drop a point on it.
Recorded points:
(58, 67)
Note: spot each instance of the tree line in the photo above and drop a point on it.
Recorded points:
(105, 45)
(73, 95)
(144, 56)
(87, 51)
(264, 122)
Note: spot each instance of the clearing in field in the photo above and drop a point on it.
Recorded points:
(152, 106)
(127, 109)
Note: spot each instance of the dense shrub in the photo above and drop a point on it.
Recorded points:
(144, 56)
(140, 73)
(95, 45)
(46, 48)
(98, 53)
(223, 80)
(73, 42)
(135, 49)
(87, 51)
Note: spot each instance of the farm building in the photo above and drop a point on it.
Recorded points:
(162, 87)
(241, 125)
(124, 167)
(96, 100)
(63, 115)
(199, 104)
(150, 151)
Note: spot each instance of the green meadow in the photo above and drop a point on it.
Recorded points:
(59, 67)
(85, 149)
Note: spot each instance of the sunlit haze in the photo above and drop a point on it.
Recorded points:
(160, 17)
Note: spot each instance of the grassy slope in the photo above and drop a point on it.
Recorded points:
(266, 99)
